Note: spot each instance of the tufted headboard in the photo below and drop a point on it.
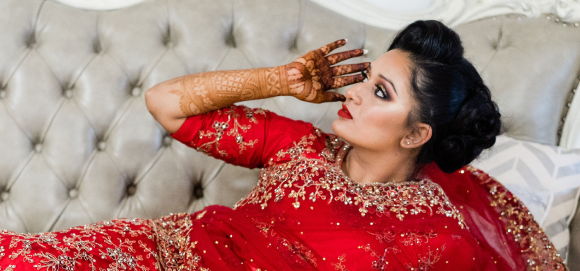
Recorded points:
(79, 146)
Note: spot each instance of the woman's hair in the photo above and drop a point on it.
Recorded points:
(450, 96)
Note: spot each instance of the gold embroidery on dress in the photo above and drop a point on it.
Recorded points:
(330, 183)
(82, 247)
(299, 249)
(199, 216)
(340, 264)
(299, 148)
(291, 248)
(175, 246)
(534, 245)
(427, 261)
(386, 237)
(231, 129)
(414, 238)
(381, 262)
(332, 144)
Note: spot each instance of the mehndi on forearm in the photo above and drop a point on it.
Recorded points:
(203, 92)
(307, 78)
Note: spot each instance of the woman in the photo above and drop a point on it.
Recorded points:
(391, 190)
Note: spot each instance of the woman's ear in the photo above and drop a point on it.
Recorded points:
(418, 136)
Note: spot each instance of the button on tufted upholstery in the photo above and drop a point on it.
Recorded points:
(79, 146)
(73, 193)
(102, 145)
(4, 196)
(135, 91)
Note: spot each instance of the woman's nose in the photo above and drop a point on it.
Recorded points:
(352, 93)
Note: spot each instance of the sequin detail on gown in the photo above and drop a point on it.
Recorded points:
(315, 178)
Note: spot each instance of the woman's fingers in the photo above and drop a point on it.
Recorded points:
(331, 46)
(338, 57)
(346, 80)
(350, 68)
(333, 97)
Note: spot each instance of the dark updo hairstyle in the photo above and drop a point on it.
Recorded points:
(450, 96)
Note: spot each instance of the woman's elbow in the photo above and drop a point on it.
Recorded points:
(164, 109)
(151, 100)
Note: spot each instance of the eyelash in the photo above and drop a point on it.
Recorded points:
(379, 89)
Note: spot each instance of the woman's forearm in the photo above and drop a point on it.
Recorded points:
(307, 78)
(199, 93)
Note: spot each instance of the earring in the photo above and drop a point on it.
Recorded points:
(408, 142)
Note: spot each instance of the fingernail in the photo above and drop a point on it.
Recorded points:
(365, 51)
(345, 40)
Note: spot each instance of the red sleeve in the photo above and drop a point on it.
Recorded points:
(239, 135)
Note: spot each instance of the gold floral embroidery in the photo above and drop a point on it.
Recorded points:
(80, 246)
(121, 255)
(340, 264)
(174, 244)
(291, 249)
(427, 261)
(381, 262)
(332, 144)
(292, 179)
(169, 245)
(534, 245)
(230, 127)
(414, 238)
(386, 237)
(299, 148)
(297, 248)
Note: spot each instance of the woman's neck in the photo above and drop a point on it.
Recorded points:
(364, 166)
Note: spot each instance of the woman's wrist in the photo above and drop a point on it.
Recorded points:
(204, 92)
(307, 78)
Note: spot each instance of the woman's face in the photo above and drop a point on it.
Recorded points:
(379, 106)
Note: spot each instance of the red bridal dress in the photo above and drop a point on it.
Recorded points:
(304, 214)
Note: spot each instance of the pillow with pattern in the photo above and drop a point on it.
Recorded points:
(545, 178)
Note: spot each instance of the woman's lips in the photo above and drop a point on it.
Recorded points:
(344, 112)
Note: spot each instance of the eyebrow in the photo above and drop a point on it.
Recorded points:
(388, 80)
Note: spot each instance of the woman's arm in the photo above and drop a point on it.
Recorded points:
(307, 78)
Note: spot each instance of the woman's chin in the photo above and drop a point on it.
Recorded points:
(338, 127)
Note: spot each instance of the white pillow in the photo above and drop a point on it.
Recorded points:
(545, 178)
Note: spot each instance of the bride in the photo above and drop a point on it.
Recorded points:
(390, 189)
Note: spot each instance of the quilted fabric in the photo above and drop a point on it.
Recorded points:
(79, 146)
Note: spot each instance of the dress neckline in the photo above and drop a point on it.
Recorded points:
(342, 152)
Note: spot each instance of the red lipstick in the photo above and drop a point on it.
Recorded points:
(344, 112)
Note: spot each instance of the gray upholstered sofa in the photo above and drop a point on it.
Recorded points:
(79, 146)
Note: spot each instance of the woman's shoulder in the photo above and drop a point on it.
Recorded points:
(313, 144)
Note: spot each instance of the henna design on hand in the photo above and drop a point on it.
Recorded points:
(307, 78)
(311, 75)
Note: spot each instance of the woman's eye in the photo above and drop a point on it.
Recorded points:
(380, 92)
(365, 75)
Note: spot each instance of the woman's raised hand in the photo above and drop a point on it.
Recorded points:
(311, 75)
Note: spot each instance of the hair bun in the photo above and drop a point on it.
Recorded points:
(450, 152)
(450, 96)
(474, 129)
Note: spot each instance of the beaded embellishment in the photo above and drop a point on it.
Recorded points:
(83, 245)
(230, 127)
(293, 178)
(519, 222)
